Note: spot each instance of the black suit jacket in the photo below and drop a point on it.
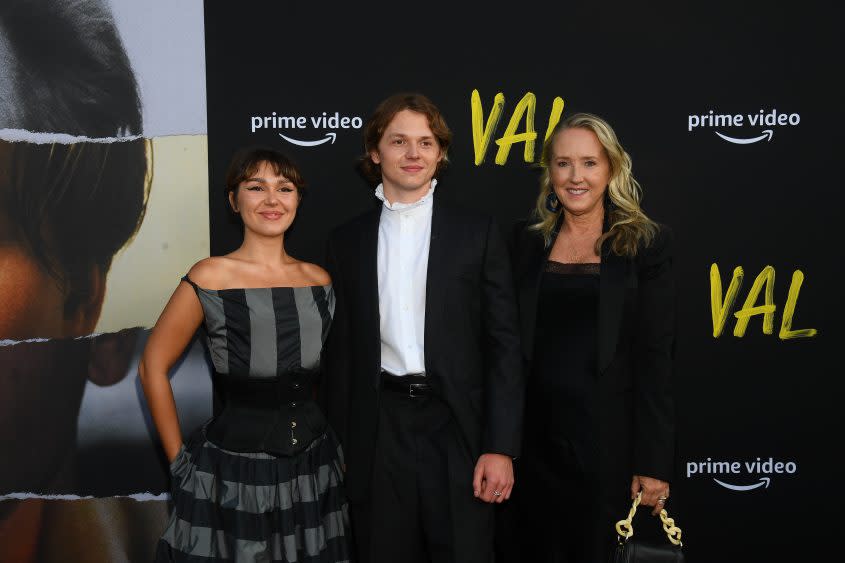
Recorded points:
(472, 351)
(636, 331)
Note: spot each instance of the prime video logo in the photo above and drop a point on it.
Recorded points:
(741, 475)
(320, 121)
(723, 121)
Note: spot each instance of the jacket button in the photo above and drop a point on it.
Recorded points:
(293, 424)
(293, 405)
(296, 385)
(293, 441)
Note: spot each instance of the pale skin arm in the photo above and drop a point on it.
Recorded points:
(493, 472)
(653, 489)
(171, 335)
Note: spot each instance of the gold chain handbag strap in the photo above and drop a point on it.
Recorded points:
(625, 528)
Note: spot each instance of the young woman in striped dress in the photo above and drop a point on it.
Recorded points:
(263, 479)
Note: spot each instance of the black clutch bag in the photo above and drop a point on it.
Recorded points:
(635, 551)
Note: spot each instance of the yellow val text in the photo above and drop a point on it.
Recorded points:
(786, 331)
(722, 304)
(721, 308)
(483, 130)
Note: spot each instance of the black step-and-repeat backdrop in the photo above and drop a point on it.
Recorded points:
(733, 122)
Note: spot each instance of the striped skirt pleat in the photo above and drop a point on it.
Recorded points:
(231, 506)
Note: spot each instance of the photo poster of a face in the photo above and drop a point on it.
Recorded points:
(732, 123)
(103, 208)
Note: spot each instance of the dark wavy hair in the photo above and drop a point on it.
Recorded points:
(247, 160)
(68, 69)
(72, 206)
(384, 114)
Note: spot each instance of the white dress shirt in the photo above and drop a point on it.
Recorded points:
(404, 236)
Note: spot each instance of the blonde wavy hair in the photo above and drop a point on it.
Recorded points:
(629, 226)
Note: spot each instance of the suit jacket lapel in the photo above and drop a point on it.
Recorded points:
(536, 256)
(611, 304)
(436, 254)
(532, 260)
(368, 256)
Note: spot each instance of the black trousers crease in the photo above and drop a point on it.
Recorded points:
(421, 508)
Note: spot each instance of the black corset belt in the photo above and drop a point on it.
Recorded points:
(273, 415)
(267, 393)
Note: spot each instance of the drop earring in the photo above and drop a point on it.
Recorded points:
(552, 202)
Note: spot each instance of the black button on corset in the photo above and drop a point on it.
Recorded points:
(273, 415)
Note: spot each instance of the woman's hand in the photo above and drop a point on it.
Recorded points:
(655, 492)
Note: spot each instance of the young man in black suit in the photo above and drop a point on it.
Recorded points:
(424, 382)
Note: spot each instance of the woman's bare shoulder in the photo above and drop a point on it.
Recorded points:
(213, 272)
(313, 274)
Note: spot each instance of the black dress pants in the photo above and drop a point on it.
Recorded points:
(419, 472)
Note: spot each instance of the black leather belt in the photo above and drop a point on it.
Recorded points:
(413, 385)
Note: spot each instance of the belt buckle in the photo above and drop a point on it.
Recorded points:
(412, 387)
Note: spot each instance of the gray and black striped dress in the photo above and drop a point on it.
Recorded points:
(263, 479)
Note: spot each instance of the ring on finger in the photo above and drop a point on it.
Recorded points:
(497, 493)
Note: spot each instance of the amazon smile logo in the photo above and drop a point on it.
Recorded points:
(763, 123)
(741, 475)
(299, 128)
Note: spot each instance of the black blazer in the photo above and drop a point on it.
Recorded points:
(472, 351)
(636, 331)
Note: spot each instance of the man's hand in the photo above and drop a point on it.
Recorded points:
(493, 478)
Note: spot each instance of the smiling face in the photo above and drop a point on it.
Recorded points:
(408, 153)
(266, 201)
(579, 170)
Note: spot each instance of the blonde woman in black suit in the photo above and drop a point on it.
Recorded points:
(597, 299)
